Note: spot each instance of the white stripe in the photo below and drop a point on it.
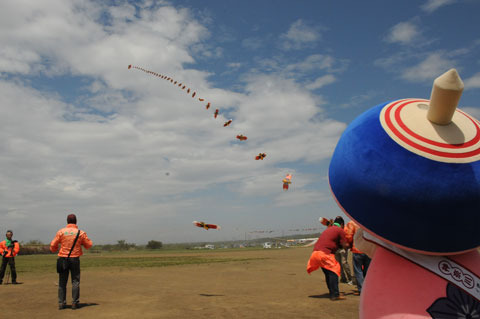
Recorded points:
(440, 265)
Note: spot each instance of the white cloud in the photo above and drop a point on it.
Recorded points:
(300, 35)
(472, 82)
(432, 66)
(234, 65)
(312, 63)
(432, 5)
(403, 33)
(321, 82)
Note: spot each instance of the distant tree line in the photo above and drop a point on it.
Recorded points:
(34, 247)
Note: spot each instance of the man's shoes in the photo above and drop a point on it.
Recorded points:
(74, 306)
(61, 306)
(14, 283)
(356, 293)
(338, 298)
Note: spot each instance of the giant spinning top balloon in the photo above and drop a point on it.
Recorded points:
(408, 172)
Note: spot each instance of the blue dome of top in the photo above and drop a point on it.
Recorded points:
(405, 198)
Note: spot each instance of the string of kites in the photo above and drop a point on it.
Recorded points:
(184, 87)
(286, 181)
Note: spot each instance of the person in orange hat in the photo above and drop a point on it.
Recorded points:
(9, 249)
(71, 240)
(323, 255)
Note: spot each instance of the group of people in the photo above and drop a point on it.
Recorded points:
(336, 237)
(71, 239)
(336, 240)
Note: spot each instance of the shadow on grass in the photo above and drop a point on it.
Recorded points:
(210, 295)
(320, 296)
(82, 305)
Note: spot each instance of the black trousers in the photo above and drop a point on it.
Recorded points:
(63, 279)
(332, 282)
(10, 261)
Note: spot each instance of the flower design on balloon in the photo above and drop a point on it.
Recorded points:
(457, 305)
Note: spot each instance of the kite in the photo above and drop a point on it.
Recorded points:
(214, 114)
(205, 225)
(208, 106)
(260, 156)
(201, 100)
(241, 137)
(227, 123)
(193, 95)
(325, 221)
(286, 181)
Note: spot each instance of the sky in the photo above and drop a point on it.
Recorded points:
(137, 159)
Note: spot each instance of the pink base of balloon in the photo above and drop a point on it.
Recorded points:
(397, 288)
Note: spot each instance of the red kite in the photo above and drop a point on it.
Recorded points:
(242, 137)
(205, 225)
(260, 156)
(227, 123)
(216, 111)
(325, 221)
(286, 181)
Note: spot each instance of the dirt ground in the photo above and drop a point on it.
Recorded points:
(276, 286)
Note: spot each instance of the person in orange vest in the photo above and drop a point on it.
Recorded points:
(361, 261)
(323, 255)
(70, 249)
(9, 249)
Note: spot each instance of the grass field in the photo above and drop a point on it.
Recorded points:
(128, 259)
(221, 283)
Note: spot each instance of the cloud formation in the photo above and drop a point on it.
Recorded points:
(403, 33)
(300, 35)
(131, 149)
(432, 5)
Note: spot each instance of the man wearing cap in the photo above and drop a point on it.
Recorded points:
(9, 249)
(323, 255)
(66, 238)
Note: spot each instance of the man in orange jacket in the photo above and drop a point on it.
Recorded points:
(66, 238)
(9, 249)
(361, 261)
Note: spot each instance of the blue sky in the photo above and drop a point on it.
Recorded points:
(137, 159)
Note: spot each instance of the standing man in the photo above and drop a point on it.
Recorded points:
(342, 257)
(360, 260)
(332, 239)
(66, 238)
(9, 249)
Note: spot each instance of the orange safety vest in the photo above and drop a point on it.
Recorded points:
(10, 252)
(65, 237)
(350, 230)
